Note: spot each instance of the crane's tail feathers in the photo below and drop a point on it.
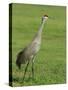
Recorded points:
(20, 59)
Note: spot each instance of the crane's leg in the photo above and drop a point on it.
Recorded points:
(25, 70)
(33, 69)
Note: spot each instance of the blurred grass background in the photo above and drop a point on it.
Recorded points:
(50, 63)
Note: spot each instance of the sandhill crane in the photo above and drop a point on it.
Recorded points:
(29, 52)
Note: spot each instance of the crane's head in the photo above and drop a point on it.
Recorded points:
(44, 18)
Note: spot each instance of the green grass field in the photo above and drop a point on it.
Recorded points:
(50, 63)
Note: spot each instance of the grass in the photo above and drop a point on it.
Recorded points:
(50, 63)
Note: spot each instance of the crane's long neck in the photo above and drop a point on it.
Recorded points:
(37, 37)
(41, 28)
(38, 34)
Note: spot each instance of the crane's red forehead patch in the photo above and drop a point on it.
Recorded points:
(45, 15)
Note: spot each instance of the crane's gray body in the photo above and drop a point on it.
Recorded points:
(29, 51)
